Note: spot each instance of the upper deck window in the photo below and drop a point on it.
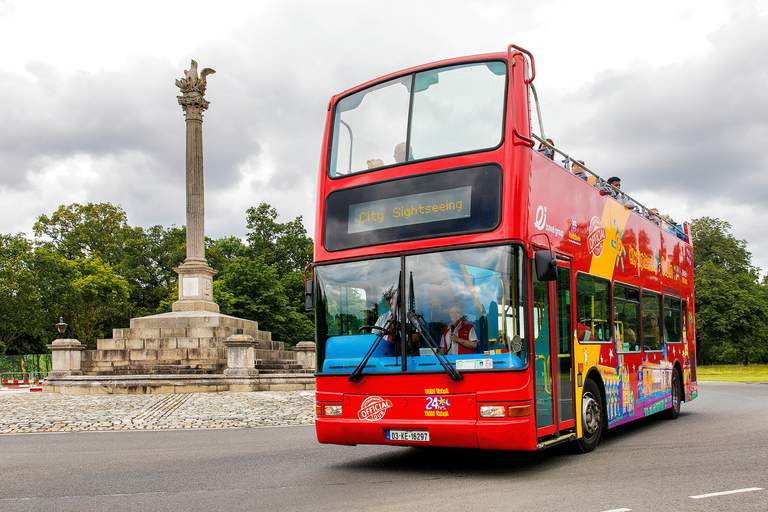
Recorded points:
(433, 113)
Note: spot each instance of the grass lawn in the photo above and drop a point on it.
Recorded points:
(734, 373)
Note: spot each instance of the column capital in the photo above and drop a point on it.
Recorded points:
(194, 105)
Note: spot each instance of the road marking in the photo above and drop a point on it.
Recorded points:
(736, 491)
(619, 510)
(116, 495)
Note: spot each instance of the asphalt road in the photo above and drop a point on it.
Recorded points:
(718, 444)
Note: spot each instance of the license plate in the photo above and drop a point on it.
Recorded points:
(408, 435)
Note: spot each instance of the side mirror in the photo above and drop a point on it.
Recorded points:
(546, 266)
(309, 295)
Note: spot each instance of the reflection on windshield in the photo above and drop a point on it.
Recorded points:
(469, 303)
(453, 110)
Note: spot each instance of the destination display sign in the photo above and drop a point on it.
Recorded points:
(464, 200)
(449, 204)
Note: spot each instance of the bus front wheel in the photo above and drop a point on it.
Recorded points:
(591, 417)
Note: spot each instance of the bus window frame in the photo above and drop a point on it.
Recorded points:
(610, 307)
(639, 310)
(679, 317)
(392, 78)
(659, 315)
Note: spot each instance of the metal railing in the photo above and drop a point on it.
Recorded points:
(629, 202)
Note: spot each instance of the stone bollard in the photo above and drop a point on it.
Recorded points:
(305, 354)
(65, 357)
(241, 360)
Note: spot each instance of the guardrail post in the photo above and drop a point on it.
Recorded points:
(241, 355)
(66, 357)
(305, 354)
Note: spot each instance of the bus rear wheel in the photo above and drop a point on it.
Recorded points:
(677, 396)
(591, 417)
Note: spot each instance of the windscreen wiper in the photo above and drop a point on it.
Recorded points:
(419, 324)
(383, 332)
(355, 376)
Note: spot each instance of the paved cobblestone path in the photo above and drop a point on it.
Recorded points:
(52, 412)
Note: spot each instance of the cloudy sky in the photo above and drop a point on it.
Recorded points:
(671, 96)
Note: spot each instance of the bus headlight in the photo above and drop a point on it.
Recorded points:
(331, 410)
(492, 411)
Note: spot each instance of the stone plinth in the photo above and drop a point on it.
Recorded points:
(195, 288)
(65, 357)
(305, 354)
(189, 342)
(241, 359)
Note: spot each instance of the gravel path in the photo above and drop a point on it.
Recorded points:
(52, 412)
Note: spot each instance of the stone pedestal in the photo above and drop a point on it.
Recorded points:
(65, 355)
(305, 354)
(240, 356)
(195, 287)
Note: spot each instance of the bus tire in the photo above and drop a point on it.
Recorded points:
(677, 396)
(591, 417)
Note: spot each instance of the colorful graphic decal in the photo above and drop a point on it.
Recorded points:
(617, 242)
(596, 237)
(437, 406)
(374, 408)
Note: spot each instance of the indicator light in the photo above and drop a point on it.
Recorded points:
(519, 411)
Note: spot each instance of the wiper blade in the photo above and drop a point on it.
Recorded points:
(386, 330)
(355, 376)
(418, 323)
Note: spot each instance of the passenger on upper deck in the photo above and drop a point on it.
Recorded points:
(459, 336)
(614, 183)
(375, 162)
(547, 149)
(400, 154)
(578, 170)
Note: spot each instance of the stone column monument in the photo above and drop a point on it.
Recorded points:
(195, 276)
(193, 347)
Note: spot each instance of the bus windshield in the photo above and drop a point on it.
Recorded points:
(433, 113)
(469, 304)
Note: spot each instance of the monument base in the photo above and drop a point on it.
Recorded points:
(194, 305)
(182, 342)
(152, 384)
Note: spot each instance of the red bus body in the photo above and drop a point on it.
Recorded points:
(611, 260)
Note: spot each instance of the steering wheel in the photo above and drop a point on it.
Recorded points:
(370, 328)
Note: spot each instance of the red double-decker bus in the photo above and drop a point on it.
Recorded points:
(475, 287)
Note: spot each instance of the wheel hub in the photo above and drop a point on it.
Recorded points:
(591, 414)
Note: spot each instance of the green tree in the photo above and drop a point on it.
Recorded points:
(145, 259)
(20, 329)
(284, 246)
(264, 280)
(86, 292)
(731, 305)
(80, 231)
(256, 294)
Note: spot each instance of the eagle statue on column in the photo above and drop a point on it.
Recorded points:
(192, 83)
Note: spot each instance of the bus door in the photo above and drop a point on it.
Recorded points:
(552, 328)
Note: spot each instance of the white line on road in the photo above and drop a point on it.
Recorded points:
(619, 510)
(736, 491)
